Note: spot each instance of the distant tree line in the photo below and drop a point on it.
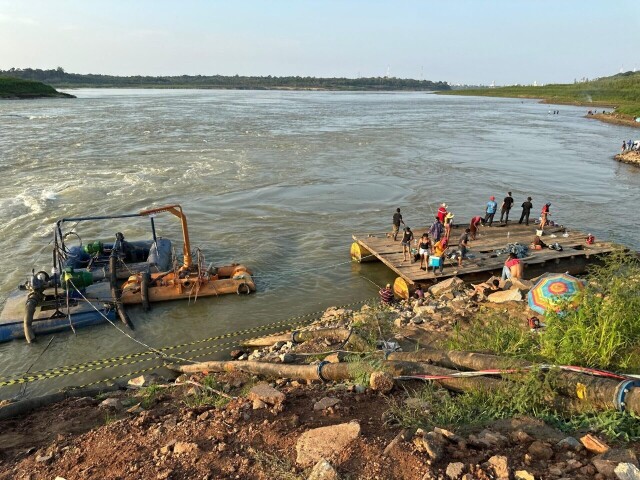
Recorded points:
(59, 78)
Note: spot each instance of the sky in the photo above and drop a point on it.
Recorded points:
(457, 41)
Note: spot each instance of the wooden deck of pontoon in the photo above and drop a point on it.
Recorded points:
(574, 257)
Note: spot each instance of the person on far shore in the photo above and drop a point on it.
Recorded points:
(397, 220)
(624, 146)
(544, 215)
(424, 247)
(507, 203)
(512, 267)
(492, 206)
(407, 236)
(462, 246)
(442, 212)
(386, 295)
(436, 230)
(474, 225)
(448, 220)
(526, 210)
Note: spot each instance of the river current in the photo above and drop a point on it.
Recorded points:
(278, 181)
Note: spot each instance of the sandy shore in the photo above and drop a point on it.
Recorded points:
(616, 118)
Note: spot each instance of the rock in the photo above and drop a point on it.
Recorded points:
(424, 310)
(323, 471)
(287, 358)
(500, 465)
(432, 443)
(59, 478)
(521, 284)
(569, 443)
(399, 322)
(144, 380)
(417, 320)
(137, 408)
(324, 442)
(521, 436)
(455, 470)
(448, 434)
(267, 394)
(505, 296)
(111, 404)
(593, 444)
(381, 382)
(627, 471)
(524, 475)
(445, 286)
(44, 458)
(325, 402)
(236, 354)
(394, 442)
(606, 462)
(487, 438)
(505, 284)
(258, 404)
(185, 447)
(540, 451)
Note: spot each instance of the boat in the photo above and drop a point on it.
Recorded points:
(91, 283)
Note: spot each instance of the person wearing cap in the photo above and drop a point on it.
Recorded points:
(544, 214)
(448, 220)
(407, 236)
(386, 295)
(507, 203)
(526, 210)
(442, 212)
(490, 211)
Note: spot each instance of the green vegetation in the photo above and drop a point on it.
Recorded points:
(604, 332)
(60, 78)
(434, 407)
(621, 90)
(208, 394)
(18, 88)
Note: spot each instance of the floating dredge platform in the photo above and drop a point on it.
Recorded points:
(576, 254)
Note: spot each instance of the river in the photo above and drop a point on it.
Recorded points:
(278, 180)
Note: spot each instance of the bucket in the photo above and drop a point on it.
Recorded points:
(539, 232)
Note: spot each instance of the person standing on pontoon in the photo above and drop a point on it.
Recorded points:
(544, 215)
(492, 206)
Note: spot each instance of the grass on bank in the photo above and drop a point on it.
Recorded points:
(604, 332)
(16, 88)
(621, 90)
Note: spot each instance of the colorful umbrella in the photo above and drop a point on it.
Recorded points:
(554, 289)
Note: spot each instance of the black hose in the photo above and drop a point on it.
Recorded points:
(116, 292)
(29, 310)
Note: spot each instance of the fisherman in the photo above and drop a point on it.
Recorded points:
(492, 206)
(474, 225)
(507, 203)
(624, 146)
(436, 230)
(397, 220)
(386, 295)
(442, 212)
(462, 246)
(526, 210)
(512, 267)
(544, 214)
(407, 236)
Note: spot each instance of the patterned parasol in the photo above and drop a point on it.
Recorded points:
(553, 289)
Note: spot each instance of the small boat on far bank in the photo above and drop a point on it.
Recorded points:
(91, 283)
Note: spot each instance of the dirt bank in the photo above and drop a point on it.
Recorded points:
(616, 119)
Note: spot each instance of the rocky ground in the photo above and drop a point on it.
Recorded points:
(238, 426)
(632, 157)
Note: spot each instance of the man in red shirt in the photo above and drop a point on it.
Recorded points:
(442, 212)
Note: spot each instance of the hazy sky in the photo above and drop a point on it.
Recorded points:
(459, 41)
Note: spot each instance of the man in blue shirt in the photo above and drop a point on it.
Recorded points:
(492, 206)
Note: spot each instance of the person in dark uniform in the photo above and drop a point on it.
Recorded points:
(397, 220)
(526, 210)
(507, 203)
